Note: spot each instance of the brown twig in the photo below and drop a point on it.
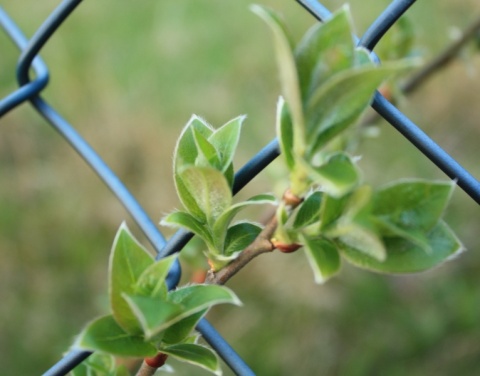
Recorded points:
(261, 244)
(440, 62)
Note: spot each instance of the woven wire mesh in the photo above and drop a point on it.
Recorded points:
(30, 90)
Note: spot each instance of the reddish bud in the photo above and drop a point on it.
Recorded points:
(157, 361)
(285, 248)
(290, 199)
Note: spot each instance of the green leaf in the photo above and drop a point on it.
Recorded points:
(308, 211)
(325, 50)
(223, 221)
(189, 222)
(341, 100)
(104, 334)
(181, 330)
(285, 133)
(196, 298)
(416, 236)
(404, 257)
(332, 209)
(128, 260)
(152, 281)
(209, 189)
(186, 155)
(323, 257)
(412, 204)
(240, 236)
(288, 73)
(207, 154)
(225, 140)
(154, 314)
(361, 239)
(100, 364)
(194, 354)
(337, 176)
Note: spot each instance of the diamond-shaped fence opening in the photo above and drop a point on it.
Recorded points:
(30, 90)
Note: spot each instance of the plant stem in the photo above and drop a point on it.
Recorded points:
(146, 370)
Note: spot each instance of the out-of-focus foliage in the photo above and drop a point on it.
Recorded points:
(129, 76)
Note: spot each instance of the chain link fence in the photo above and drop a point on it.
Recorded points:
(30, 90)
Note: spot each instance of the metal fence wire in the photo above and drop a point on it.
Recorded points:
(30, 90)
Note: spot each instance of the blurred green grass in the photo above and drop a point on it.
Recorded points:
(128, 76)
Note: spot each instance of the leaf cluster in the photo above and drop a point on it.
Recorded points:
(327, 83)
(146, 318)
(203, 174)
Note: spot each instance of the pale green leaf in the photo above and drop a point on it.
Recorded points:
(413, 204)
(308, 211)
(332, 209)
(181, 330)
(154, 314)
(325, 50)
(221, 225)
(414, 235)
(341, 100)
(188, 200)
(209, 189)
(128, 260)
(194, 354)
(104, 334)
(337, 176)
(323, 257)
(240, 236)
(152, 281)
(359, 238)
(288, 73)
(100, 364)
(188, 222)
(185, 154)
(285, 133)
(207, 155)
(196, 298)
(225, 140)
(405, 257)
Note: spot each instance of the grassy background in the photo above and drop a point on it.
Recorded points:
(128, 75)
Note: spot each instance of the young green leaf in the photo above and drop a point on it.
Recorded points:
(207, 154)
(154, 314)
(180, 331)
(285, 133)
(225, 140)
(194, 354)
(342, 99)
(240, 236)
(325, 50)
(188, 222)
(152, 281)
(288, 73)
(332, 209)
(323, 257)
(209, 189)
(186, 155)
(360, 239)
(196, 298)
(223, 221)
(309, 210)
(412, 204)
(128, 260)
(405, 257)
(104, 334)
(337, 176)
(416, 236)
